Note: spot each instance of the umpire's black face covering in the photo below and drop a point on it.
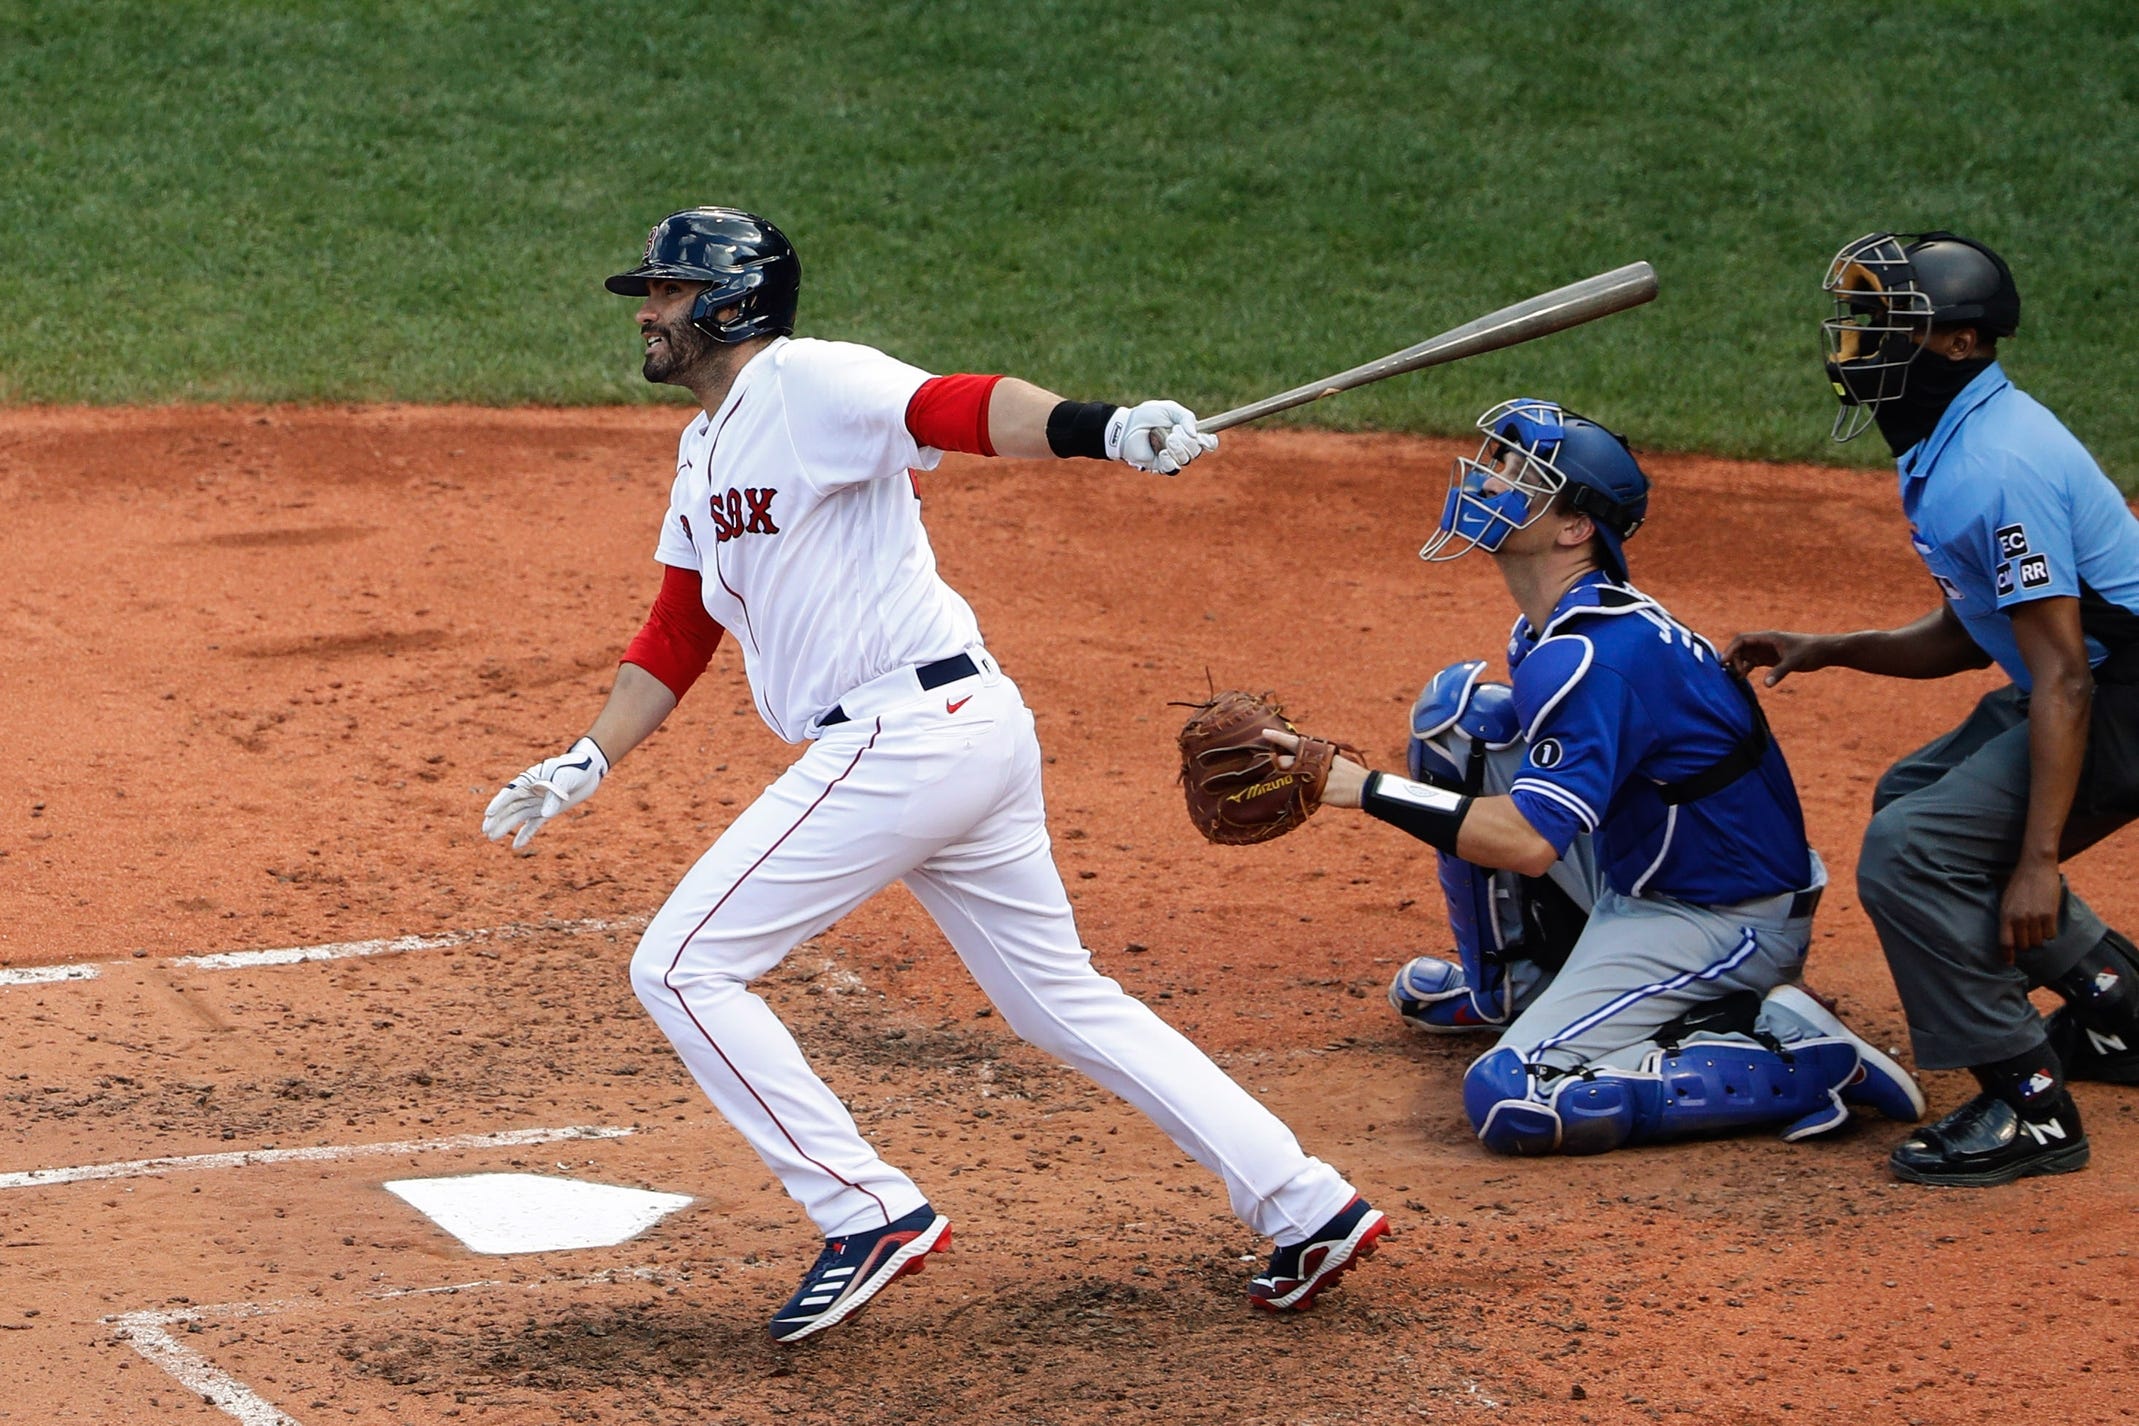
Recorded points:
(1933, 381)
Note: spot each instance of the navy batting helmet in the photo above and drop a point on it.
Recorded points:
(1562, 453)
(1890, 290)
(745, 262)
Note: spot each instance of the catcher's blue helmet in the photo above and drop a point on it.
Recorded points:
(745, 262)
(1556, 450)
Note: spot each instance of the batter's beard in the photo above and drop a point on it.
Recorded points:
(683, 349)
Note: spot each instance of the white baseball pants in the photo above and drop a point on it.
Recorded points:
(941, 789)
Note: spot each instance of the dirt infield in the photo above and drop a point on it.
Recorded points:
(263, 668)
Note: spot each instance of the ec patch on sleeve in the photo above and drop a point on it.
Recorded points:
(2012, 541)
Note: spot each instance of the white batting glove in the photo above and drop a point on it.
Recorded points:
(545, 790)
(1158, 436)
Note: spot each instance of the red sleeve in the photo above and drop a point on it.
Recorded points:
(679, 637)
(951, 413)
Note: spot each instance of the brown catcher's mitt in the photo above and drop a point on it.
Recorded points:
(1237, 794)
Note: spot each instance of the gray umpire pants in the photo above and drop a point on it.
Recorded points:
(1945, 832)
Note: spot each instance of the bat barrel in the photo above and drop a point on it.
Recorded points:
(1538, 316)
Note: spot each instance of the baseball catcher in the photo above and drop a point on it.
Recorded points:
(1621, 846)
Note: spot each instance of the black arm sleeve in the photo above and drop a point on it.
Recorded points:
(1432, 814)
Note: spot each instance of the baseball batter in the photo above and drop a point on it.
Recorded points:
(1630, 777)
(2037, 557)
(794, 527)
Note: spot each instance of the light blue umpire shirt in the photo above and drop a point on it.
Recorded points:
(2005, 505)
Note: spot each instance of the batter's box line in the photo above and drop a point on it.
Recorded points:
(333, 951)
(148, 1332)
(248, 1158)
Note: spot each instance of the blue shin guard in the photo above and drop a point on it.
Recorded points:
(1507, 1107)
(1709, 1087)
(1717, 1085)
(1437, 996)
(1434, 995)
(1460, 721)
(1485, 988)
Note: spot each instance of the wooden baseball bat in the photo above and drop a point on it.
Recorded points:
(1533, 317)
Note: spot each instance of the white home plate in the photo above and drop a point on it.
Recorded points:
(529, 1213)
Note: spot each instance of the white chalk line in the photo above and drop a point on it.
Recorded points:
(45, 975)
(333, 951)
(148, 1333)
(247, 1158)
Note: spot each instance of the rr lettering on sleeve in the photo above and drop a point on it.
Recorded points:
(730, 518)
(2034, 572)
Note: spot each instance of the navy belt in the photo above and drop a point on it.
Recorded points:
(931, 675)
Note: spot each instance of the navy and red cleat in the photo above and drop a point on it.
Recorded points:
(853, 1269)
(1298, 1273)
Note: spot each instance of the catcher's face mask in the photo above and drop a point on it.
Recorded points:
(1881, 314)
(1506, 486)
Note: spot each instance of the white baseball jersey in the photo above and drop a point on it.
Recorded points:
(795, 503)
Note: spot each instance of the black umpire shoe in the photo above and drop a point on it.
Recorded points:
(1986, 1142)
(2089, 1054)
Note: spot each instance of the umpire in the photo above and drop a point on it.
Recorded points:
(2038, 559)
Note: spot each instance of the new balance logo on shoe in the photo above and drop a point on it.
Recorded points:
(2044, 1132)
(2106, 1044)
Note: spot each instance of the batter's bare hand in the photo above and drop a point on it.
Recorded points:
(2027, 916)
(1161, 436)
(1346, 778)
(545, 790)
(1782, 654)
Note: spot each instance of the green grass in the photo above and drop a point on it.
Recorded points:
(1212, 199)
